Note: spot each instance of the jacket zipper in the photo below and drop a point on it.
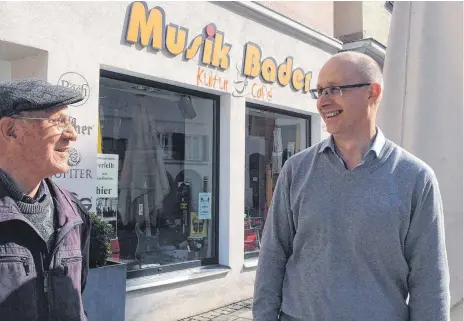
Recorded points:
(62, 236)
(17, 259)
(45, 282)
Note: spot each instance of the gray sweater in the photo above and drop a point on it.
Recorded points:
(343, 244)
(39, 211)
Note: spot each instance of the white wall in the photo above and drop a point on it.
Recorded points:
(77, 41)
(422, 108)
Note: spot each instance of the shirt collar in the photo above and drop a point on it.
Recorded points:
(376, 147)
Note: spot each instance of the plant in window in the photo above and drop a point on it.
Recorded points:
(100, 248)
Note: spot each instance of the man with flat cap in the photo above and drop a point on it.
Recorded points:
(44, 229)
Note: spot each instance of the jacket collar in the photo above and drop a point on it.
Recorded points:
(67, 212)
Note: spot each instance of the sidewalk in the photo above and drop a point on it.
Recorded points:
(239, 311)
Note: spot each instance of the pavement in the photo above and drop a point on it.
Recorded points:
(239, 311)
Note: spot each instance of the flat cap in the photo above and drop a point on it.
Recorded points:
(33, 94)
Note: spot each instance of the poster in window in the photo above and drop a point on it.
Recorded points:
(198, 227)
(107, 175)
(204, 206)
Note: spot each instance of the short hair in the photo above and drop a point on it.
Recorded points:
(367, 68)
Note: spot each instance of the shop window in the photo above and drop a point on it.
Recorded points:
(164, 140)
(271, 138)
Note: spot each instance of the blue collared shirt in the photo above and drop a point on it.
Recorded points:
(375, 149)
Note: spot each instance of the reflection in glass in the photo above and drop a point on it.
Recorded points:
(271, 138)
(164, 141)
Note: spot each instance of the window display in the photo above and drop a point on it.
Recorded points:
(271, 138)
(160, 145)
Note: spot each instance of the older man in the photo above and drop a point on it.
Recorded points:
(355, 230)
(44, 230)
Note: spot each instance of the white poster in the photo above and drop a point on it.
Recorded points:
(204, 206)
(107, 175)
(80, 178)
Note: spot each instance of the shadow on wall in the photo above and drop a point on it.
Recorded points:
(19, 62)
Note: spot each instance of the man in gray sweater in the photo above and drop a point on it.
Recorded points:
(355, 230)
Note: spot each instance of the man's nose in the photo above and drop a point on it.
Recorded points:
(70, 133)
(323, 100)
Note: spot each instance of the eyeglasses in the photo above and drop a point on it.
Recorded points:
(333, 90)
(61, 123)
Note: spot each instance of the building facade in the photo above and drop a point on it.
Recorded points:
(190, 111)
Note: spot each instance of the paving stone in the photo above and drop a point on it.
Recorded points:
(225, 318)
(238, 311)
(243, 313)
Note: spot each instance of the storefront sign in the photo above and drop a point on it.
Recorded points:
(257, 90)
(76, 81)
(107, 175)
(148, 28)
(284, 74)
(82, 162)
(204, 206)
(78, 179)
(208, 78)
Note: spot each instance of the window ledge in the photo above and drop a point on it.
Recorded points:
(176, 277)
(250, 264)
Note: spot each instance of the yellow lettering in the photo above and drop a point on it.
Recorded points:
(285, 71)
(207, 51)
(307, 82)
(297, 78)
(193, 48)
(221, 51)
(252, 60)
(143, 29)
(269, 70)
(176, 39)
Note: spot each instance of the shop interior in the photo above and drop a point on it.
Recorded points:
(164, 213)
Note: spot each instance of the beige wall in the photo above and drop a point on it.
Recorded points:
(314, 14)
(376, 21)
(348, 20)
(344, 20)
(356, 20)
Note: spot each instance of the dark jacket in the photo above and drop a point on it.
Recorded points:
(35, 288)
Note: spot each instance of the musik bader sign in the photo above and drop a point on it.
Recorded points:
(148, 29)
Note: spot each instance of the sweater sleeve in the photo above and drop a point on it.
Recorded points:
(276, 248)
(429, 297)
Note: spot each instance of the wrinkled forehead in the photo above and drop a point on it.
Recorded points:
(337, 72)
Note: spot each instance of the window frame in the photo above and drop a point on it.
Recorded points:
(283, 112)
(215, 168)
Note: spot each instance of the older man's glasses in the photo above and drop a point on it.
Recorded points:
(333, 90)
(61, 123)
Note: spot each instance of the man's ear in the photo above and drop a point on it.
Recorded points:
(7, 128)
(375, 92)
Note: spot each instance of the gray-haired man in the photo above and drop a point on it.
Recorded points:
(44, 230)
